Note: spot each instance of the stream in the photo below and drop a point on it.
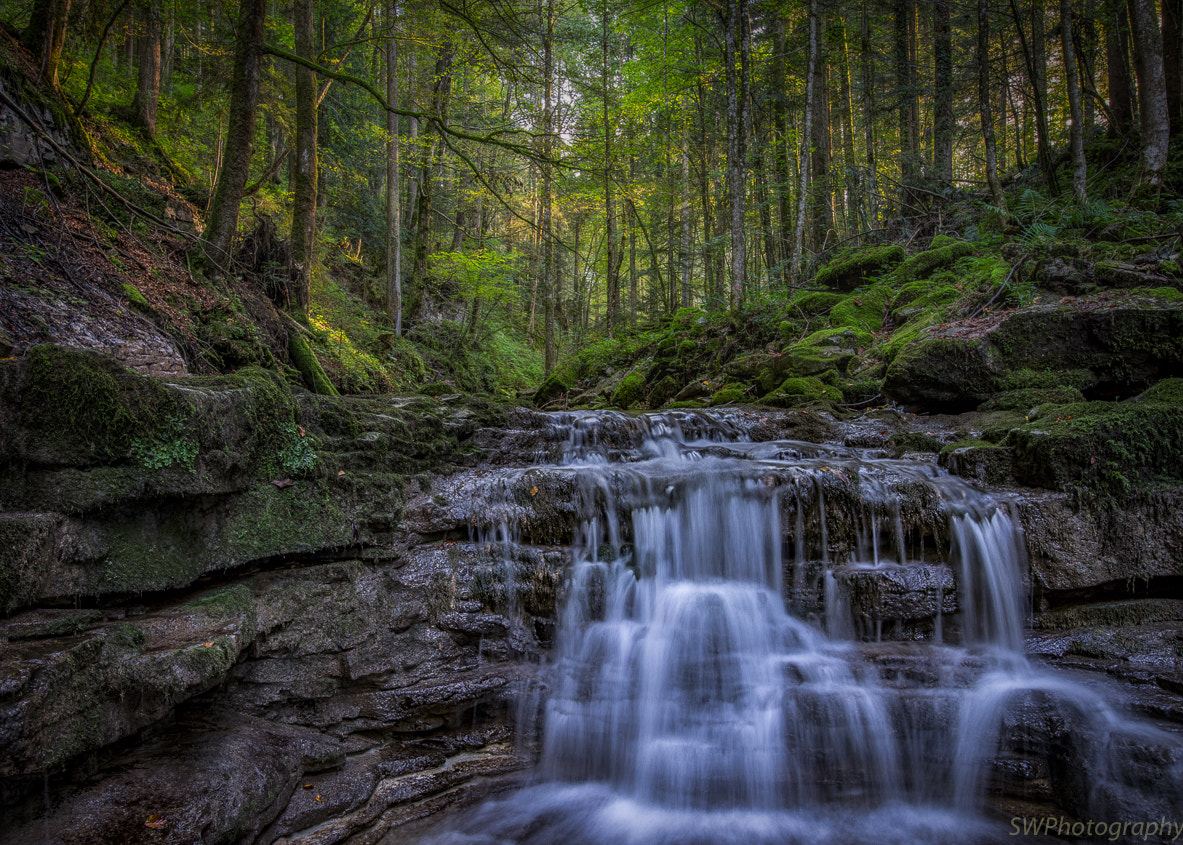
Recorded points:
(782, 642)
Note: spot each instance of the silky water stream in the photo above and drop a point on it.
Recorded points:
(782, 642)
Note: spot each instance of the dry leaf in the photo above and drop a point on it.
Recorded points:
(281, 483)
(319, 798)
(340, 473)
(300, 429)
(156, 822)
(534, 490)
(207, 645)
(308, 786)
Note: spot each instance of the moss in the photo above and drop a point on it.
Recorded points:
(225, 603)
(1029, 379)
(665, 389)
(691, 404)
(136, 298)
(903, 442)
(815, 303)
(1169, 294)
(860, 392)
(1169, 390)
(630, 391)
(730, 394)
(943, 374)
(801, 391)
(310, 369)
(862, 310)
(851, 271)
(1027, 398)
(922, 264)
(1122, 614)
(437, 388)
(848, 337)
(980, 460)
(1105, 451)
(557, 384)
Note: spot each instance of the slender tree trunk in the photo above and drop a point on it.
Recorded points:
(942, 133)
(1037, 76)
(853, 198)
(685, 252)
(304, 188)
(441, 92)
(1117, 51)
(414, 155)
(806, 134)
(821, 196)
(394, 236)
(906, 122)
(147, 96)
(45, 36)
(1152, 89)
(1172, 60)
(222, 219)
(549, 276)
(1079, 166)
(612, 277)
(983, 62)
(736, 147)
(780, 130)
(868, 108)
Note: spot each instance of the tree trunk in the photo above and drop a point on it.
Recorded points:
(806, 133)
(1037, 76)
(222, 220)
(1152, 89)
(780, 130)
(147, 96)
(821, 197)
(612, 277)
(685, 252)
(736, 152)
(850, 182)
(549, 276)
(909, 132)
(983, 63)
(1172, 60)
(868, 108)
(305, 184)
(942, 133)
(394, 237)
(441, 91)
(1117, 51)
(45, 36)
(1079, 166)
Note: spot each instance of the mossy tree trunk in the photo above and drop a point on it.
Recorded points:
(304, 185)
(147, 96)
(222, 221)
(942, 51)
(733, 32)
(1152, 89)
(1079, 165)
(45, 36)
(984, 104)
(1117, 51)
(394, 237)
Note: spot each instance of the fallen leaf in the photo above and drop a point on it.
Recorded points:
(534, 490)
(207, 645)
(300, 429)
(156, 822)
(340, 473)
(308, 786)
(281, 483)
(319, 798)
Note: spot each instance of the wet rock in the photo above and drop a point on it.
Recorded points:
(898, 592)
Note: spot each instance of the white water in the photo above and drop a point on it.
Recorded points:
(687, 706)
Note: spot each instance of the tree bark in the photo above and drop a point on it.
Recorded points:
(305, 184)
(780, 129)
(612, 275)
(45, 36)
(222, 219)
(1117, 51)
(1172, 60)
(394, 237)
(806, 134)
(736, 146)
(821, 194)
(1152, 89)
(1079, 165)
(147, 97)
(549, 276)
(984, 107)
(909, 132)
(868, 108)
(942, 50)
(1037, 76)
(441, 92)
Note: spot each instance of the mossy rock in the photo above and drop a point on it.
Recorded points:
(904, 442)
(922, 264)
(729, 395)
(814, 303)
(630, 391)
(951, 374)
(1047, 380)
(437, 388)
(849, 272)
(688, 404)
(801, 391)
(979, 460)
(1169, 390)
(662, 392)
(1106, 451)
(846, 337)
(863, 310)
(1121, 614)
(1027, 398)
(558, 383)
(861, 392)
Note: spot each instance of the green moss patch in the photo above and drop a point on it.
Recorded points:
(922, 264)
(1027, 398)
(848, 272)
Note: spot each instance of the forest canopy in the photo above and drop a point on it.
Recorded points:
(555, 172)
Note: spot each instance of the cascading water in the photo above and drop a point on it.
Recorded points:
(686, 705)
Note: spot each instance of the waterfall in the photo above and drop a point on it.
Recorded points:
(688, 705)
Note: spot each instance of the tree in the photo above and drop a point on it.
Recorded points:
(222, 219)
(1117, 51)
(733, 26)
(1079, 166)
(393, 231)
(45, 37)
(147, 97)
(984, 108)
(1152, 89)
(304, 172)
(942, 51)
